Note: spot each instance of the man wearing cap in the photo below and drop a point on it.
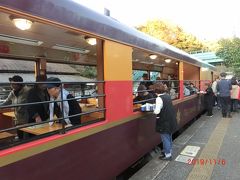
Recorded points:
(223, 88)
(70, 107)
(18, 95)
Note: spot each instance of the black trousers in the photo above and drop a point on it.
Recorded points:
(209, 111)
(209, 104)
(226, 105)
(214, 100)
(234, 105)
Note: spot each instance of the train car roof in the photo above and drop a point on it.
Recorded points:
(73, 14)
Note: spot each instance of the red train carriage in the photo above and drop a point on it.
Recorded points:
(113, 134)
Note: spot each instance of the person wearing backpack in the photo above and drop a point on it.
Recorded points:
(70, 107)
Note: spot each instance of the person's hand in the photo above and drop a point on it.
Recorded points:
(38, 119)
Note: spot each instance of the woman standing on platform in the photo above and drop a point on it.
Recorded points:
(166, 122)
(208, 98)
(234, 95)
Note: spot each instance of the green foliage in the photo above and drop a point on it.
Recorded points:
(173, 35)
(212, 46)
(89, 72)
(229, 52)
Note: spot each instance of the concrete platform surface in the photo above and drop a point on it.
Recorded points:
(217, 159)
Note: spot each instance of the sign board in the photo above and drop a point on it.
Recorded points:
(190, 151)
(184, 159)
(187, 154)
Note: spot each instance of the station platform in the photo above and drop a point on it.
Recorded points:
(218, 157)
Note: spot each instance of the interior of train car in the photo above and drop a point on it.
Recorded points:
(159, 68)
(55, 52)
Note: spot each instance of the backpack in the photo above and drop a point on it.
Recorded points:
(74, 108)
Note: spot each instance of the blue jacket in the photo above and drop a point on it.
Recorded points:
(223, 87)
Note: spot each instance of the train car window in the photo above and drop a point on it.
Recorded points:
(154, 75)
(137, 78)
(148, 69)
(191, 77)
(8, 68)
(190, 87)
(51, 81)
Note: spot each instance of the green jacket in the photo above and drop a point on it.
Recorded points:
(21, 114)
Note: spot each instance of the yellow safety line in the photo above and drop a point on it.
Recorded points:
(210, 152)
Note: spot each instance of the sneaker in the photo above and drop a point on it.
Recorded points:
(210, 115)
(166, 158)
(161, 155)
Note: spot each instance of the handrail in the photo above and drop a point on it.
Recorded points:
(47, 121)
(45, 102)
(63, 117)
(53, 82)
(147, 100)
(175, 95)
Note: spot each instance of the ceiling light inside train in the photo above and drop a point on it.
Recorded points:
(91, 41)
(22, 24)
(168, 60)
(204, 69)
(153, 56)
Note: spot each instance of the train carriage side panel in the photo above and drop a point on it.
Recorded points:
(118, 80)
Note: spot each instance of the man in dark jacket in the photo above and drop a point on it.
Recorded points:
(147, 83)
(166, 122)
(144, 95)
(224, 87)
(38, 112)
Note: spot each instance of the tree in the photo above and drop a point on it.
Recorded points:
(229, 52)
(89, 72)
(86, 71)
(211, 45)
(172, 34)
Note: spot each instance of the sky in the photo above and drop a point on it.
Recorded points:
(206, 19)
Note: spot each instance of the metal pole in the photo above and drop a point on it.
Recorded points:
(63, 130)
